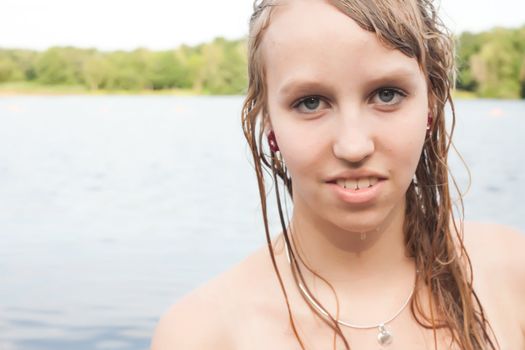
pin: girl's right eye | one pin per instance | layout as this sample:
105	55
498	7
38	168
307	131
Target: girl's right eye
311	103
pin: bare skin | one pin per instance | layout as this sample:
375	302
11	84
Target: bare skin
343	104
244	307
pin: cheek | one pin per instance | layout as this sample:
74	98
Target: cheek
411	133
404	151
298	153
301	151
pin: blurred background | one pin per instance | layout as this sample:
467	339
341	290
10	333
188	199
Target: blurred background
125	180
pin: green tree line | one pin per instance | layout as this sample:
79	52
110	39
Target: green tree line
218	67
490	64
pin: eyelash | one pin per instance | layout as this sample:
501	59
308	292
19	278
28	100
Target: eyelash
398	92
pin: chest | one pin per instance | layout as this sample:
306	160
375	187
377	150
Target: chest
274	331
260	327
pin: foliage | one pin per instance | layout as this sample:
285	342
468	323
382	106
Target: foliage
490	64
218	67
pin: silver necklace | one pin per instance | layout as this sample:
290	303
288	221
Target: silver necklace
384	337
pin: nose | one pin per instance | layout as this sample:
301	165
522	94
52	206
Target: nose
353	141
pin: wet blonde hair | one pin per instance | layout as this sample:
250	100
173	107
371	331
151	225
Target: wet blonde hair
414	28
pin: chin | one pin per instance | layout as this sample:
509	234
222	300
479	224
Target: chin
358	228
361	222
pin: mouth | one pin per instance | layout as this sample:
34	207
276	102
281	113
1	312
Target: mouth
357	184
359	191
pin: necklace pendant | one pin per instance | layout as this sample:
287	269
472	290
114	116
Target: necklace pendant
384	337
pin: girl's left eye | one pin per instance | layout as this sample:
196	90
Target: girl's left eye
388	96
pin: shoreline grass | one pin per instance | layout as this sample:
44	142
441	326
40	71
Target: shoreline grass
24	88
35	89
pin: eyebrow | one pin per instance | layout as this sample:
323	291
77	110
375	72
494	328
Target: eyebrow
307	84
299	84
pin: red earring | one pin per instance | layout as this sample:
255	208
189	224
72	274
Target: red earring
272	142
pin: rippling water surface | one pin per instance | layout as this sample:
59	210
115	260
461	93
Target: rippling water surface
113	207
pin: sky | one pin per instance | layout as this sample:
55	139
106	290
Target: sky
166	24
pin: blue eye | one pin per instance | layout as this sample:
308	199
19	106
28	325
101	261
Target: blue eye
311	103
389	96
386	95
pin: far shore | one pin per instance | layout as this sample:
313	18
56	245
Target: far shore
50	90
8	90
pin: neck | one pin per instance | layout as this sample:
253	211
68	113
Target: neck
346	260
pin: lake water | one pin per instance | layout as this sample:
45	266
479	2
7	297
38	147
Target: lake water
111	208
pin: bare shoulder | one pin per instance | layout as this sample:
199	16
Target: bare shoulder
498	252
194	322
496	244
204	318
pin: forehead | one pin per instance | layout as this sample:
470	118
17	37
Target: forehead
315	40
300	23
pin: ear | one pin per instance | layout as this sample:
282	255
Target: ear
431	103
267	124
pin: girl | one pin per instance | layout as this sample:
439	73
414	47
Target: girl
350	96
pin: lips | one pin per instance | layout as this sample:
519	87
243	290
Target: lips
356	184
359	187
355	194
356	179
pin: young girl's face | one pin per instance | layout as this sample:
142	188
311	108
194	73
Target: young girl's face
343	106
